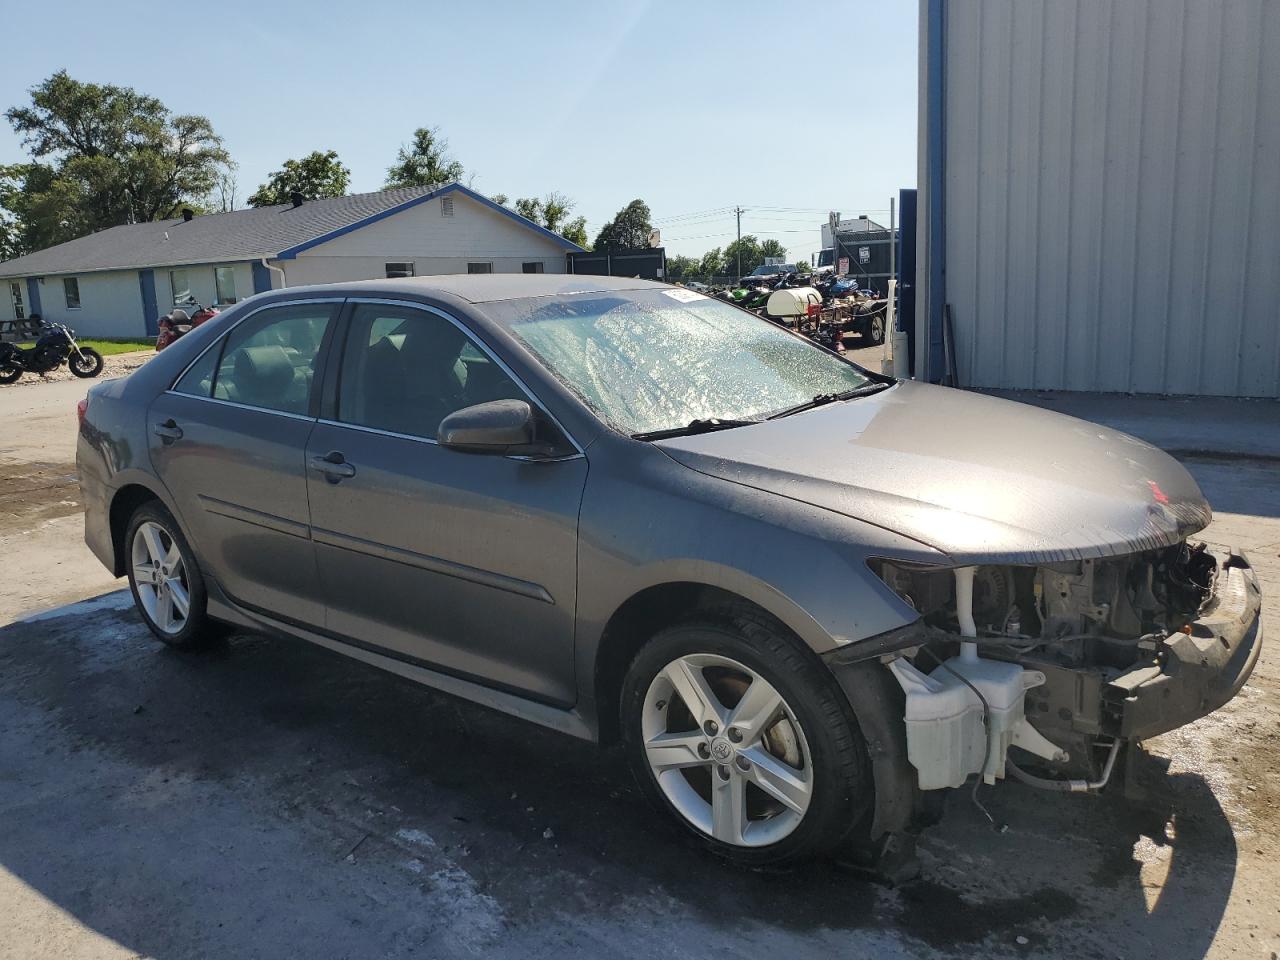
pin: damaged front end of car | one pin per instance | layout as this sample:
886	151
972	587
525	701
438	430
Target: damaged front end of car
1054	667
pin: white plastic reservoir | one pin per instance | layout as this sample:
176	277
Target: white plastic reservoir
946	739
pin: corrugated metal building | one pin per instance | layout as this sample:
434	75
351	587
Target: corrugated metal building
1100	194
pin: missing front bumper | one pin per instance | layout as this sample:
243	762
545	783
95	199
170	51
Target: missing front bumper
1187	676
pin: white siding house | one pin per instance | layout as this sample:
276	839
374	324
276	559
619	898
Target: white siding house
452	234
116	283
1099	203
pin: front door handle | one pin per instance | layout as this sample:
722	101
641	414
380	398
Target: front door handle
334	466
168	431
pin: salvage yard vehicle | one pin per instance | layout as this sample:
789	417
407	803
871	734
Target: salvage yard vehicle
807	599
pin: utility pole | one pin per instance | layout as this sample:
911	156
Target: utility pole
738	211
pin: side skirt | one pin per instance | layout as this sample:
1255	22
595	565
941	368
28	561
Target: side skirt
570	722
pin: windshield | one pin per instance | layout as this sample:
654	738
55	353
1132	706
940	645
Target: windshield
651	360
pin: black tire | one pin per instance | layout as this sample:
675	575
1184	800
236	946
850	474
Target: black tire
89	366
875	330
198	630
9	373
842	790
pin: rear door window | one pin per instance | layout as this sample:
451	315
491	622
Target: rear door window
268	361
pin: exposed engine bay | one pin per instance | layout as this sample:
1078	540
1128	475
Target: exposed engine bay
1064	662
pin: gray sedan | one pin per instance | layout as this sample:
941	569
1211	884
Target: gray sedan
807	599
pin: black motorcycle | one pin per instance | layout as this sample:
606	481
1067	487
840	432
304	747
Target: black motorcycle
55	346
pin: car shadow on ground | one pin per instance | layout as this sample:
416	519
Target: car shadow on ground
151	794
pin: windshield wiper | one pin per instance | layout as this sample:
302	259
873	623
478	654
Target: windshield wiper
693	427
823	399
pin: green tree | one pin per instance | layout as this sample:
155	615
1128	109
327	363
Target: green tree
628	230
530	208
802	267
681	267
752	256
772	248
104	155
575	231
315	176
552	212
711	264
425	162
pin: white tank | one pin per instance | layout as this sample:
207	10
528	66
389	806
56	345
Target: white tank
947	741
792	302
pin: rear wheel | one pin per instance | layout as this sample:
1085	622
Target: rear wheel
87	363
732	728
167	587
9	373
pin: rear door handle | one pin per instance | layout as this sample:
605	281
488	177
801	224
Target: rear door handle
169	430
334	466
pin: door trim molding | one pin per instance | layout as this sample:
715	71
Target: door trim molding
459	571
270	521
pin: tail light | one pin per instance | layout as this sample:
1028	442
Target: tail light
814	309
81	409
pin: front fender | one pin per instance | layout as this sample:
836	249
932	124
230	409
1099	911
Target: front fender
647	521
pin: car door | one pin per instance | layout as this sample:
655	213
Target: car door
463	562
229	440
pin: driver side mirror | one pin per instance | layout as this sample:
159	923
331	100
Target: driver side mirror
497	427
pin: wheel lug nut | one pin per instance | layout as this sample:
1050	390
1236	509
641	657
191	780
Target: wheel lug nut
724	772
744	763
710	728
704	751
735	734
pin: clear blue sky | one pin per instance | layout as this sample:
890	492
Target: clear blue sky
690	106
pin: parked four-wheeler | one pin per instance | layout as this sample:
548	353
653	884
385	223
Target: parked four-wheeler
55	346
182	320
808	599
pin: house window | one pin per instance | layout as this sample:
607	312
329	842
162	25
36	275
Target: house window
400	269
224	284
71	290
479	268
446	206
179	285
15	291
533	266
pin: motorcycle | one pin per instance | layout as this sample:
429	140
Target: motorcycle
55	346
178	321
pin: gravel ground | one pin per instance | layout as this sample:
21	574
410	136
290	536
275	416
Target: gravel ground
117	365
270	799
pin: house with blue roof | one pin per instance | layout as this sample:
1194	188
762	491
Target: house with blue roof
118	282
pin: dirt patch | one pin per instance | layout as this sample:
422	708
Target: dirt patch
119	365
32	493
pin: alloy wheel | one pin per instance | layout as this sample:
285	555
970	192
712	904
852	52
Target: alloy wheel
160	577
726	750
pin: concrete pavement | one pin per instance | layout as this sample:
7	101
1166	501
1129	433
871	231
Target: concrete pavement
270	799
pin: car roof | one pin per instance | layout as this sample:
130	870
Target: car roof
488	287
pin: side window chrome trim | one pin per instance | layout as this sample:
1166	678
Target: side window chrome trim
480	345
217	341
242	406
435	443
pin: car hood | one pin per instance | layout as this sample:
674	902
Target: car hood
978	478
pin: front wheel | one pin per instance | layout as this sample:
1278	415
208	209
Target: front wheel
735	730
86	363
9	373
